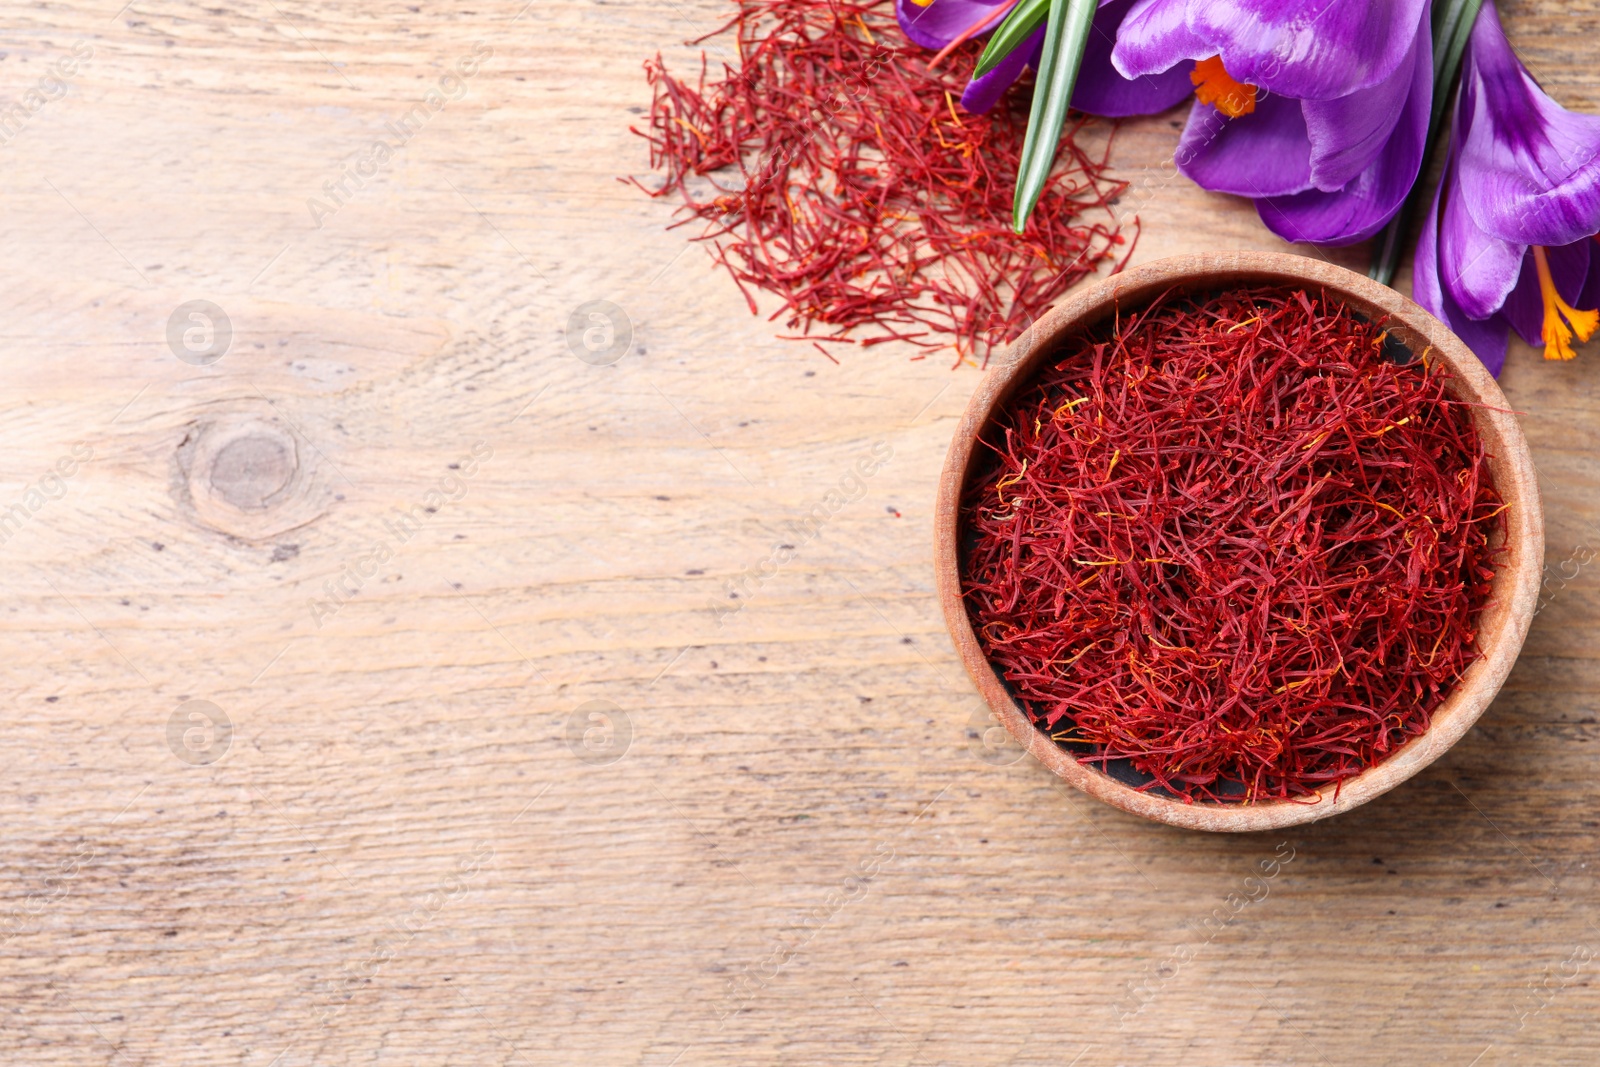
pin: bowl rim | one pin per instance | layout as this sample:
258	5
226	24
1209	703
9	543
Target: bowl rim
1503	624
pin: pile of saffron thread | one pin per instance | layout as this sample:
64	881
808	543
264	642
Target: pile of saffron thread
1225	540
840	174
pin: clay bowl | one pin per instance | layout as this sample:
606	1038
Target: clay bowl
1503	624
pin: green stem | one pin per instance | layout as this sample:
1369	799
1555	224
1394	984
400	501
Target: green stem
1066	34
1452	26
1018	26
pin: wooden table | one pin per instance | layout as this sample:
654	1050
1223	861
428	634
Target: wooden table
367	698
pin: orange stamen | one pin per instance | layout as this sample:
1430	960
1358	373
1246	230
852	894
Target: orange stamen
964	35
1561	320
1215	86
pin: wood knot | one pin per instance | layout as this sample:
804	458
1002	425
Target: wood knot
245	475
250	472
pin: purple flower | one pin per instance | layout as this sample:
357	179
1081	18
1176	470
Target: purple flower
1306	49
1335	120
1507	244
1100	89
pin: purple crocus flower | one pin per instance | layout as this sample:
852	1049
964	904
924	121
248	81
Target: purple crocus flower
1507	244
1335	123
1100	89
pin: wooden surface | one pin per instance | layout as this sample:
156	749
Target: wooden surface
790	838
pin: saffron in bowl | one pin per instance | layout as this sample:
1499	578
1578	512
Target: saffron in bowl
1231	546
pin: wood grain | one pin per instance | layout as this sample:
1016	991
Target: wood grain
417	845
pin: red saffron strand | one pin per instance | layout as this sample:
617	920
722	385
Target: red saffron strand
1223	548
832	168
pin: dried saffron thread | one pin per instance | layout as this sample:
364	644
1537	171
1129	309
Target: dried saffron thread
1225	548
832	169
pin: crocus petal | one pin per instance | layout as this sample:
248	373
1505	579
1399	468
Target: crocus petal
1264	153
1524	306
1477	269
1530	170
1589	297
981	93
1486	337
1348	133
1155	37
1102	90
937	24
1370	199
1308	49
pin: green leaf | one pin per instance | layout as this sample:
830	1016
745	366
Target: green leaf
1452	26
1066	33
1018	26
